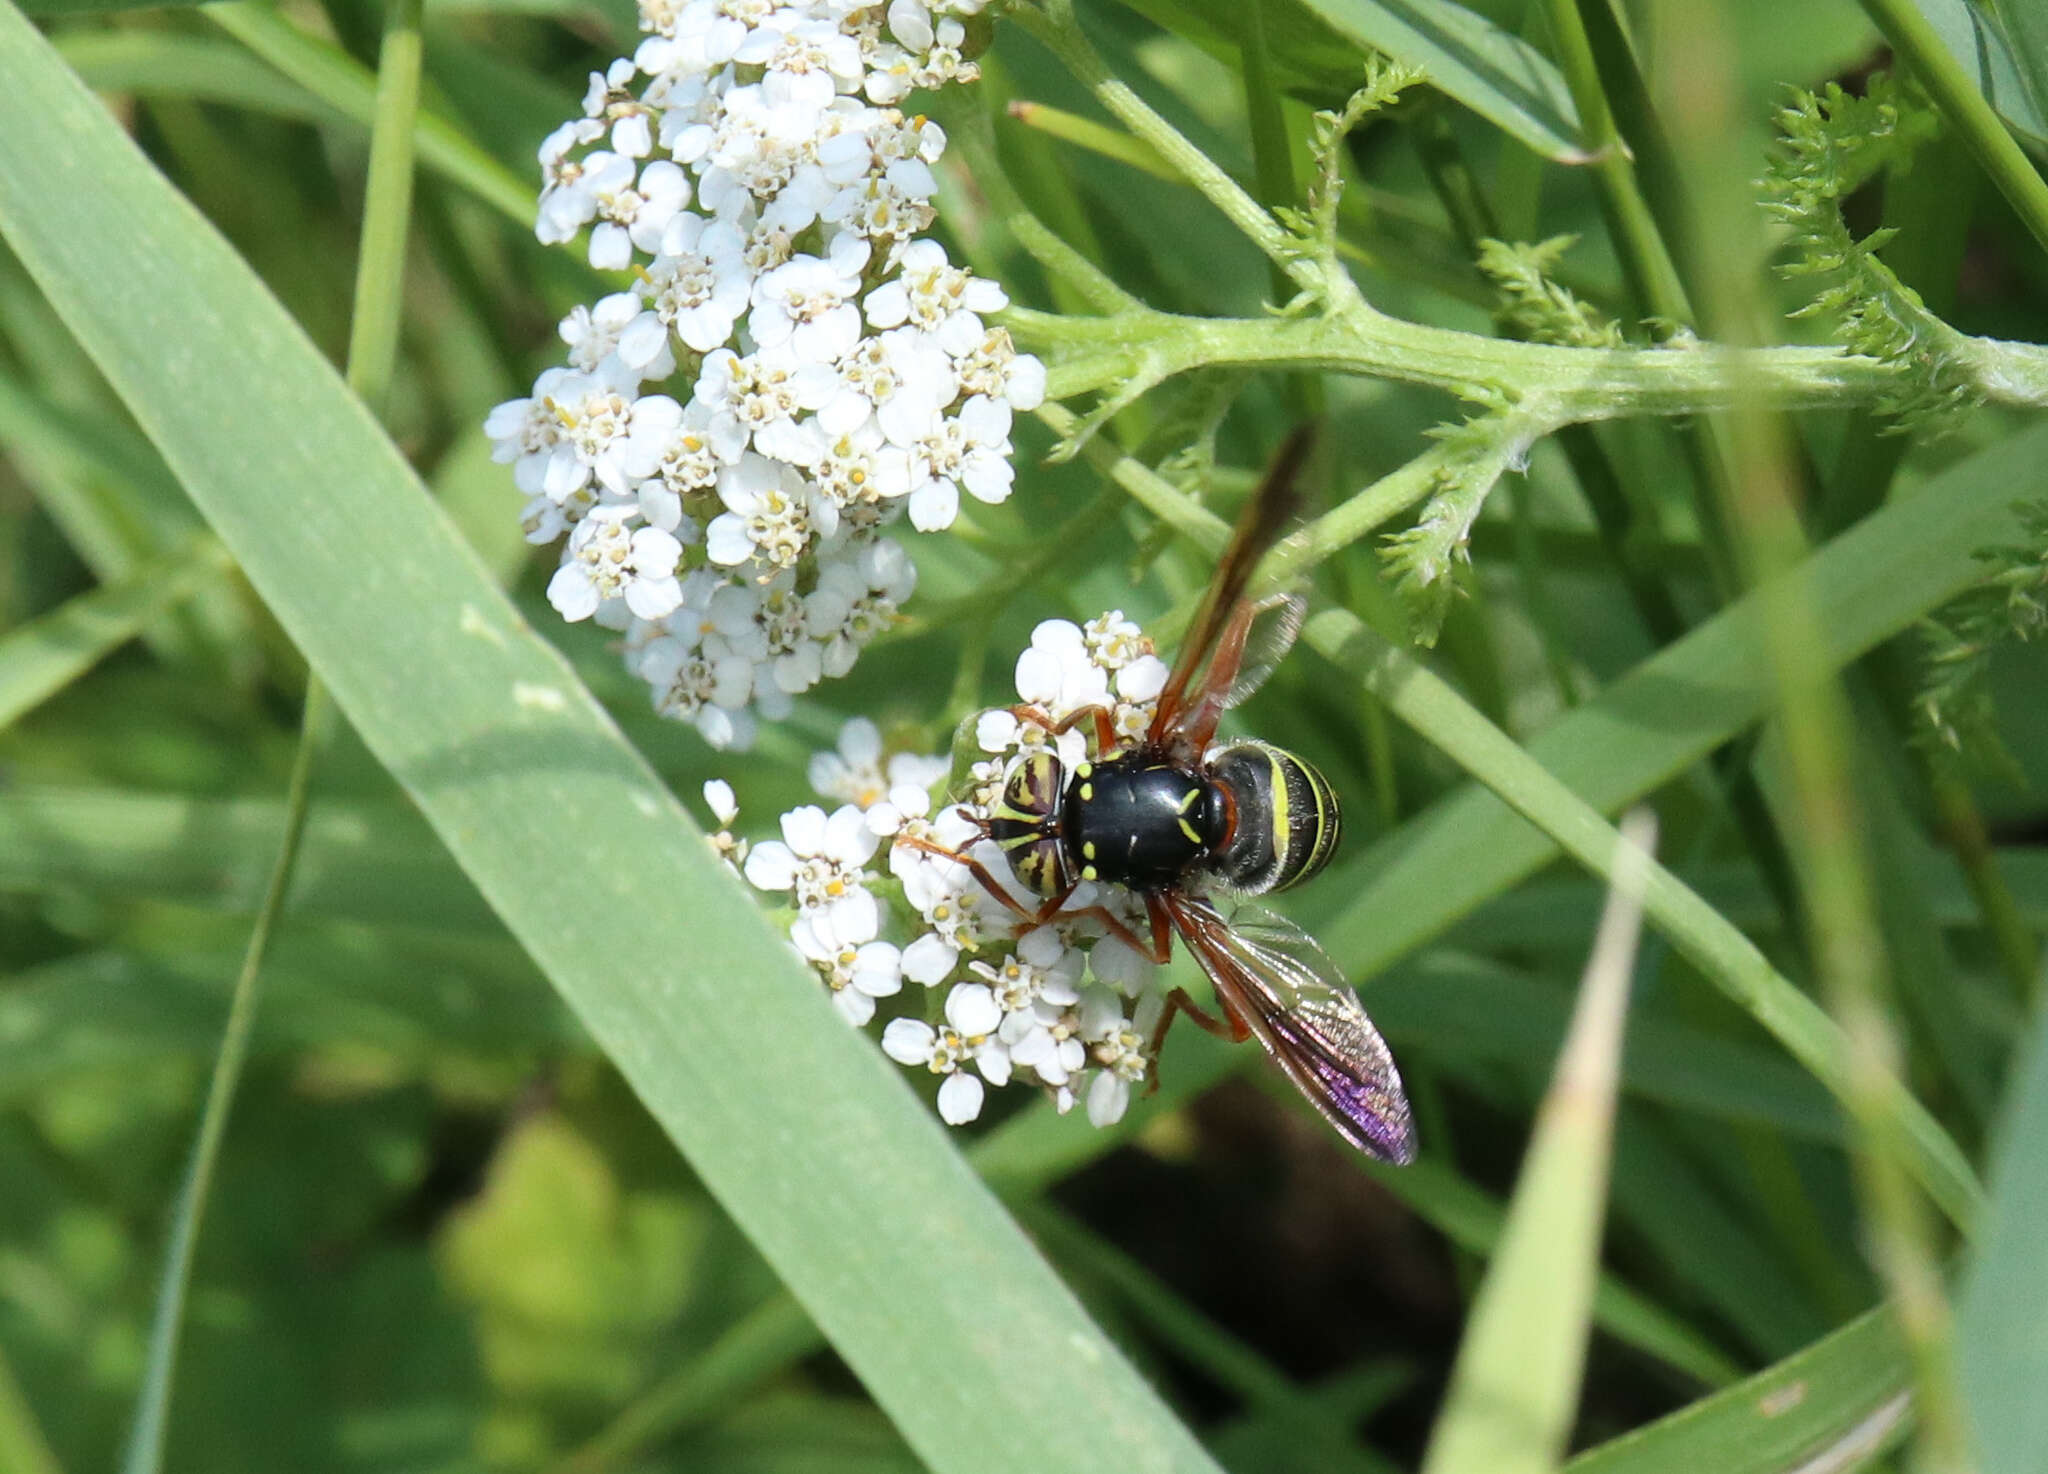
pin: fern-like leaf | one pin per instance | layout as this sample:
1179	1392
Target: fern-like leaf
1830	144
1426	559
1537	307
1315	225
1956	718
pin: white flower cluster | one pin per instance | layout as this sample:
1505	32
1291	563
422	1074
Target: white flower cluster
1068	1006
749	166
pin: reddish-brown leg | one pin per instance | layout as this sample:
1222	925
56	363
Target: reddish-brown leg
1105	723
1159	950
1230	1027
975	868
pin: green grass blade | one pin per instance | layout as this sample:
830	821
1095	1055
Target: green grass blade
761	1344
116	504
1987	52
2002	1336
1493	71
350	88
401	994
1723	954
1681	704
812	1140
1833	1406
195	67
1954	81
1516	1382
372	351
2026	34
373	862
46	655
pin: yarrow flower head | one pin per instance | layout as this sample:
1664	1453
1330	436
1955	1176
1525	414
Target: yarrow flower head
885	892
793	369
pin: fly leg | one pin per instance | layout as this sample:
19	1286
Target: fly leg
981	874
1105	723
1159	950
1230	1026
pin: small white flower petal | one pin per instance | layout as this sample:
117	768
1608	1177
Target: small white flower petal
771	866
929	960
909	1041
972	1009
1109	1095
959	1099
854	1006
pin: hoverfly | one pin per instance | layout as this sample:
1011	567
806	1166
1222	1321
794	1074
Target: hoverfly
1182	823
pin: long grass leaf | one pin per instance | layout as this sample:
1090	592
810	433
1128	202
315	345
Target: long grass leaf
2001	1333
1731	961
363	861
194	67
1988	52
346	85
814	1143
1516	1382
46	655
1682	703
1834	1406
1467	56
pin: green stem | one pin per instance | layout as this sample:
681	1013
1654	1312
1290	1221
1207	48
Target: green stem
1848	946
373	348
1824	821
760	1345
1450	176
1056	26
1654	165
1653	280
1573	384
1097	138
51	651
1915	41
1961	827
1265	108
152	1410
387	209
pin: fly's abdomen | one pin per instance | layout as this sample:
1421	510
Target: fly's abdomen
1288	822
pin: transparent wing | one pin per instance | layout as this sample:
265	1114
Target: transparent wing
1271	974
1276	622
